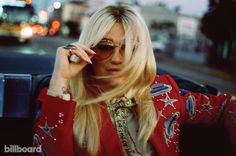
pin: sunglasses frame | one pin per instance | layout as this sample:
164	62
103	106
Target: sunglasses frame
107	43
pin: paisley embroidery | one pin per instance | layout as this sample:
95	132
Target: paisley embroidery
190	105
171	127
160	88
170	123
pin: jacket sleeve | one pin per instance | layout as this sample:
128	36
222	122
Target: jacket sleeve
209	109
53	129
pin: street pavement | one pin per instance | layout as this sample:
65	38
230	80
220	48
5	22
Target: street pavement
222	80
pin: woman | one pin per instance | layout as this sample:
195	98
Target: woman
104	97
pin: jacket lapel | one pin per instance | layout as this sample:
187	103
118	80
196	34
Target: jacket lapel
110	141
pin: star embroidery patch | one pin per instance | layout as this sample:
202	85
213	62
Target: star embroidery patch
168	101
207	107
47	129
160	113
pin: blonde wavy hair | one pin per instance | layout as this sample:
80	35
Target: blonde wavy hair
140	65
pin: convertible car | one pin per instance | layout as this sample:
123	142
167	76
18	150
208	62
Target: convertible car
20	86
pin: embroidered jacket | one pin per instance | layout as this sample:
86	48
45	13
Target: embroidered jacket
54	126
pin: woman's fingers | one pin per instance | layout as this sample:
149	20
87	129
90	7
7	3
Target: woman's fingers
83	52
87	49
80	55
77	53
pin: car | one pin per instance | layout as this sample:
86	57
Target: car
16	21
19	88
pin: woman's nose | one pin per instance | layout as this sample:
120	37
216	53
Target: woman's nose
118	56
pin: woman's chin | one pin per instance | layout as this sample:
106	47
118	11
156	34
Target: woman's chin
115	84
111	84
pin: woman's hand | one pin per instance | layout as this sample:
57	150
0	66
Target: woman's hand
64	70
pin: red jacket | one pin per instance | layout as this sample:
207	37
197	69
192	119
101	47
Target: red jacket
54	127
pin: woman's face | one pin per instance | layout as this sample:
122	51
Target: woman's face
109	57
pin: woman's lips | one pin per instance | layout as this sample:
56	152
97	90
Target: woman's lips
113	70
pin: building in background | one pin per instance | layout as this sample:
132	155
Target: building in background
73	15
187	32
162	24
172	31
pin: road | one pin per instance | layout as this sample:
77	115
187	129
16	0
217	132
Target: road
223	81
46	46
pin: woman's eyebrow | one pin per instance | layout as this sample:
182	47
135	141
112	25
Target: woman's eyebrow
107	39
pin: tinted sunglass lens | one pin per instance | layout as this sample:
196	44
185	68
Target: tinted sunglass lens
105	48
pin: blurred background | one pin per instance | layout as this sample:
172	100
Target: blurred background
194	39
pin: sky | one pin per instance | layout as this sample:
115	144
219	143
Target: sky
191	7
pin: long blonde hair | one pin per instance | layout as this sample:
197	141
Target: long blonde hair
139	63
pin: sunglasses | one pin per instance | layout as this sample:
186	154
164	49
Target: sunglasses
106	49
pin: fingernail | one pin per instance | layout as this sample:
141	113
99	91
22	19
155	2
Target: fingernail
93	52
89	61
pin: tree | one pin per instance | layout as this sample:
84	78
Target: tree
219	25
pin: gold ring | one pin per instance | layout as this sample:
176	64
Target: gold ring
70	51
